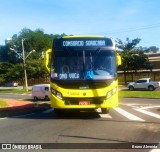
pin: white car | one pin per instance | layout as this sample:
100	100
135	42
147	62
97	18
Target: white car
145	83
41	91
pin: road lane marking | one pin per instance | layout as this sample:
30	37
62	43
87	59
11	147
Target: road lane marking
105	116
98	110
3	118
148	113
149	107
48	111
128	115
135	105
156	150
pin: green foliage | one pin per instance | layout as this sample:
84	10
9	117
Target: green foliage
36	69
129	45
4	70
11	65
132	58
10	72
35	40
152	49
135	60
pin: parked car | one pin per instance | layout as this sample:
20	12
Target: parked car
145	83
11	84
41	91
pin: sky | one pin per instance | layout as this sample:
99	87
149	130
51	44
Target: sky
119	19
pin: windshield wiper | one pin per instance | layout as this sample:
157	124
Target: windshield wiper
95	57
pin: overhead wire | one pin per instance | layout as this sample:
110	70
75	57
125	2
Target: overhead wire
135	29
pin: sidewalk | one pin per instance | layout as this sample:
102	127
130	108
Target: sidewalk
14	104
16	107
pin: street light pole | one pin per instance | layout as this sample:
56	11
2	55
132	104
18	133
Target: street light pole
24	67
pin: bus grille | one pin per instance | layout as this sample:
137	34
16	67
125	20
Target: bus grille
75	101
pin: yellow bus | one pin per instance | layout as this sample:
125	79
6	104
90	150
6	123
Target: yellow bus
83	73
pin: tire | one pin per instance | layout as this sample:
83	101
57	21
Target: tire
151	88
58	112
105	110
35	98
46	98
131	88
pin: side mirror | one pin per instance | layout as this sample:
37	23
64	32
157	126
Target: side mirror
118	58
47	59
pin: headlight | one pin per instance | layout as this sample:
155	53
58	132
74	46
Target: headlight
110	93
56	93
59	95
53	91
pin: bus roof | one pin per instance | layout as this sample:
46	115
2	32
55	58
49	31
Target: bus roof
84	36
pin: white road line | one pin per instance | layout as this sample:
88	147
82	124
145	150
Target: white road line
105	116
134	105
148	113
156	150
3	118
148	107
128	115
98	110
48	111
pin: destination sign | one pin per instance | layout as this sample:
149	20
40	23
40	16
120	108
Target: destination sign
69	76
84	43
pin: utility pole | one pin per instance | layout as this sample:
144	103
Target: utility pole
24	67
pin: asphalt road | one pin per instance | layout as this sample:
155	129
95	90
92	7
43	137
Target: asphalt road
134	121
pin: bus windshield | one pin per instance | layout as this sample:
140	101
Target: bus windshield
69	64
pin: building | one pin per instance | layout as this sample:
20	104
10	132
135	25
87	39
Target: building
8	40
154	59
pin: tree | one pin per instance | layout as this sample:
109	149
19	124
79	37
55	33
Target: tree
33	40
132	58
153	49
129	45
139	60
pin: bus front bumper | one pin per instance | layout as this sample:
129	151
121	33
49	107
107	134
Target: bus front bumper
84	103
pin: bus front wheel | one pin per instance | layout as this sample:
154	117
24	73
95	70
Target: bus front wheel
58	111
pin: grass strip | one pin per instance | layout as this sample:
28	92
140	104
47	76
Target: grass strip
19	91
3	104
139	94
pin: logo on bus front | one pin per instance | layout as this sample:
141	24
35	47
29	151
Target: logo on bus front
73	93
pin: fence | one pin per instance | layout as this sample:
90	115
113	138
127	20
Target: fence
132	76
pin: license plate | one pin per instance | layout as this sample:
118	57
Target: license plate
84	102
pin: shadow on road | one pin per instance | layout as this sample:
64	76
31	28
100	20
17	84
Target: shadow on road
65	115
